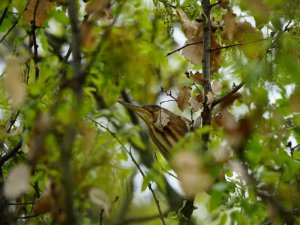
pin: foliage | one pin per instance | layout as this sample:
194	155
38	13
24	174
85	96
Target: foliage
71	155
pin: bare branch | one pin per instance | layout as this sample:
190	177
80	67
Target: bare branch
137	166
34	42
15	23
234	90
187	45
4	12
238	44
11	153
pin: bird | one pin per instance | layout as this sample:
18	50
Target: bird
165	127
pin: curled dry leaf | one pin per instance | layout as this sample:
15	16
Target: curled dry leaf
183	97
193	52
190	28
100	198
37	146
210	98
198	122
229	100
245	33
18	181
162	119
194	32
259	10
216	87
37	11
215	62
191	173
88	35
51	201
197	102
224	3
230	25
99	8
197	78
13	82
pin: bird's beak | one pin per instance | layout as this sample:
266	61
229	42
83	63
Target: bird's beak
142	112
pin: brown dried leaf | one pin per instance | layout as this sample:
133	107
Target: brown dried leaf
244	34
229	100
193	52
217	119
294	102
162	119
88	35
14	85
36	143
210	98
230	25
216	87
43	205
197	102
190	29
259	10
18	182
183	97
37	11
194	32
215	62
99	8
197	78
228	121
224	4
198	122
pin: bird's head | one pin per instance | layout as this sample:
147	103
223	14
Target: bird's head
145	112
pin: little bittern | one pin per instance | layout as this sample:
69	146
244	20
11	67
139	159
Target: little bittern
165	127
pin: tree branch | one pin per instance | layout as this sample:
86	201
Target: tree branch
34	42
206	113
15	23
221	99
76	47
4	12
140	170
187	45
11	153
238	44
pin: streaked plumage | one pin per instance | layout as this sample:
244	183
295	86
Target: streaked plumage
166	136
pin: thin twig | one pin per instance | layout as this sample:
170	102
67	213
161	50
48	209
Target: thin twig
27	217
101	217
15	23
140	219
11	153
187	45
238	44
217	3
78	74
149	186
21	203
163	169
34	42
4	12
137	166
287	26
12	121
234	90
103	39
168	94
